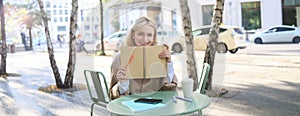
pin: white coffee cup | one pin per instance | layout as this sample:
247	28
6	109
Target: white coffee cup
187	87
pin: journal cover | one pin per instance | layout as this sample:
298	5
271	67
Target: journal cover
143	62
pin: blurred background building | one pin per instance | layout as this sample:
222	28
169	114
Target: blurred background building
119	15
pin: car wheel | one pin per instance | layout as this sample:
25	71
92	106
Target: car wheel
177	48
258	41
296	40
221	48
233	51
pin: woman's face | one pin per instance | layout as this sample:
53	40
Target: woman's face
144	36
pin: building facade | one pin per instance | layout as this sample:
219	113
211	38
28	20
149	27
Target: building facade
256	14
59	12
118	15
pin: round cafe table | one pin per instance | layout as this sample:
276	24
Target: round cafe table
178	107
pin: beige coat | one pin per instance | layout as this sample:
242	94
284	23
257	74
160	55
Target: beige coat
138	85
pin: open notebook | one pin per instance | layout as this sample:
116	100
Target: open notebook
137	107
143	62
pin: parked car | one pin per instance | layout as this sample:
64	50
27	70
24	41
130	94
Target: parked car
111	41
171	38
280	33
230	39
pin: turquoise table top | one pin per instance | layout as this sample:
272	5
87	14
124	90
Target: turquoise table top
178	107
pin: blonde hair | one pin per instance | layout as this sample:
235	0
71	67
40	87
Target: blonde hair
139	23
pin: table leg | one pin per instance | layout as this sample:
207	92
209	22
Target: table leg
112	114
199	112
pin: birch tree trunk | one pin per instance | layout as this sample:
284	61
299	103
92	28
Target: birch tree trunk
187	28
213	39
68	83
101	29
72	53
3	46
50	47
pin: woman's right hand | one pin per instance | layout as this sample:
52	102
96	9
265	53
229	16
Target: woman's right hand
121	74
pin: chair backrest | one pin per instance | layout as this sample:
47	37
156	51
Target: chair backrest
97	79
203	78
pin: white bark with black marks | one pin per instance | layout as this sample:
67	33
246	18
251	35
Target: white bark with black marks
213	39
72	52
50	47
187	28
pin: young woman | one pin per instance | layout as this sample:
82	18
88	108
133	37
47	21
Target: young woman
142	33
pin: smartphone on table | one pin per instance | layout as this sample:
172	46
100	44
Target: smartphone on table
148	100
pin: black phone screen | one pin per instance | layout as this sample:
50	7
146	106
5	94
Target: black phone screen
148	100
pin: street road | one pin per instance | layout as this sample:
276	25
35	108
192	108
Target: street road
85	61
288	49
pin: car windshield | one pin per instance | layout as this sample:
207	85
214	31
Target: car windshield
237	30
222	30
197	32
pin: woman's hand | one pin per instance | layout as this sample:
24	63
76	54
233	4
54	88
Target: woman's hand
165	54
121	74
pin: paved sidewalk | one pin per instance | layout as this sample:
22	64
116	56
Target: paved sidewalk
258	85
6	98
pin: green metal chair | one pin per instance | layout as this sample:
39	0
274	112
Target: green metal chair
96	81
203	78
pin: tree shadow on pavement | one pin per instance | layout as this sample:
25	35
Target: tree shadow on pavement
280	98
26	93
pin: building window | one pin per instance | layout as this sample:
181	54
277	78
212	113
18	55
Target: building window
251	18
207	11
47	4
60	5
290	9
66	19
54	12
96	27
86	27
291	2
61	28
55	20
60	19
60	12
66	12
87	19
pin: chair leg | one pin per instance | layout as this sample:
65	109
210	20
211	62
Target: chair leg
199	112
92	108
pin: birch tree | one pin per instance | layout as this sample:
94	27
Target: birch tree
101	29
213	39
3	37
187	28
68	82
